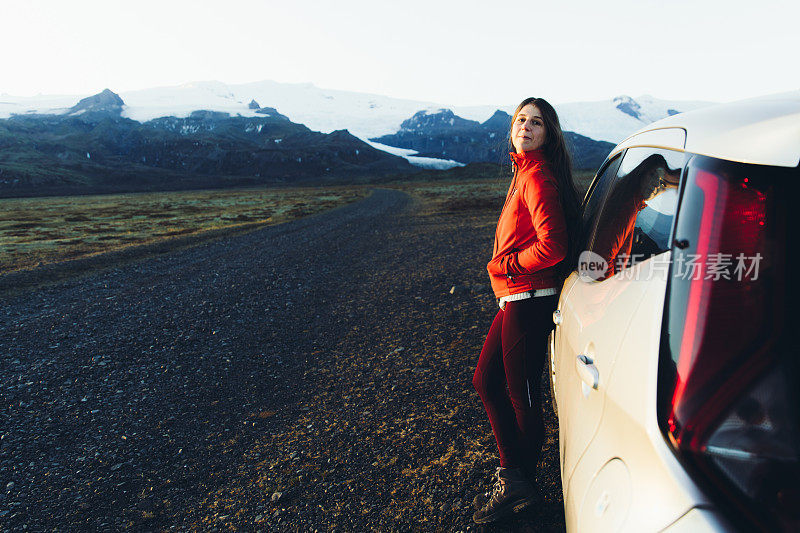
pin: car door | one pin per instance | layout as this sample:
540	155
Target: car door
631	235
597	306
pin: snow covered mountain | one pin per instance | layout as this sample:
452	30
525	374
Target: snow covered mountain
364	115
90	148
443	135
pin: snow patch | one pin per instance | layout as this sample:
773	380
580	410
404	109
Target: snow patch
432	163
394	150
410	155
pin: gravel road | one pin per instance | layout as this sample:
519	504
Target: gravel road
314	375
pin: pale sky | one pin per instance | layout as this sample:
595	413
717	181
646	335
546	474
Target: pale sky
455	52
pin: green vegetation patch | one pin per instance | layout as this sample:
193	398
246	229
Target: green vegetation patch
37	231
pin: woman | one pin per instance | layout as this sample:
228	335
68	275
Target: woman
540	212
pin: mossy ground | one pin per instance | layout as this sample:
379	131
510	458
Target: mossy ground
37	231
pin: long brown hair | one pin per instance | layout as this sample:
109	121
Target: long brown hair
560	162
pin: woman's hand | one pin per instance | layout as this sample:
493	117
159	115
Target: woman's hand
497	266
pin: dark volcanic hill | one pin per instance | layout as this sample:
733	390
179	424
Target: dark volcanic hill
92	148
104	102
445	135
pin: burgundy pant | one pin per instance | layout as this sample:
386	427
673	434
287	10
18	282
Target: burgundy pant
508	375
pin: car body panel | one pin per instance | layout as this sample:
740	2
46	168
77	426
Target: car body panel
699	520
629	433
583	332
669	138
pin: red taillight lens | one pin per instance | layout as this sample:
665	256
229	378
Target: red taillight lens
731	226
728	403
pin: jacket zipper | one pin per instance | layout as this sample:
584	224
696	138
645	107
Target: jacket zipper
508	198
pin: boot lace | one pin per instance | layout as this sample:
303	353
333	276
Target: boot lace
497	489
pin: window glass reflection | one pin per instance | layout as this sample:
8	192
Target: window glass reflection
595	200
637	217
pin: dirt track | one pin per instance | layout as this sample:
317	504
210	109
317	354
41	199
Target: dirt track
312	375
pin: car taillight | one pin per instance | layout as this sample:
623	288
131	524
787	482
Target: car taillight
728	398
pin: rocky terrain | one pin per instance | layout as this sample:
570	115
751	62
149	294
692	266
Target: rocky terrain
314	375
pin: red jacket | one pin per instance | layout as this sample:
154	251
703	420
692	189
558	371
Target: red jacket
531	234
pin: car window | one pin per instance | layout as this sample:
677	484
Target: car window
636	218
594	200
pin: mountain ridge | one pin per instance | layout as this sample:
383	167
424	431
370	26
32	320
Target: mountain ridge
363	114
205	129
93	148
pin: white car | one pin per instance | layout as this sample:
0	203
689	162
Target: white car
676	386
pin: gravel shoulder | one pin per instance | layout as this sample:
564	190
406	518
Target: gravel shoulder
314	375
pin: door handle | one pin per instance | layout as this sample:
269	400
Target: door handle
587	371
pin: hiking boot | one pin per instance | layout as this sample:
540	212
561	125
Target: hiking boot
511	494
480	499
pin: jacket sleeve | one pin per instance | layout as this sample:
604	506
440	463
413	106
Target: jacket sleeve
541	198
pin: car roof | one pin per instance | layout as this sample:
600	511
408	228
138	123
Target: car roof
763	131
